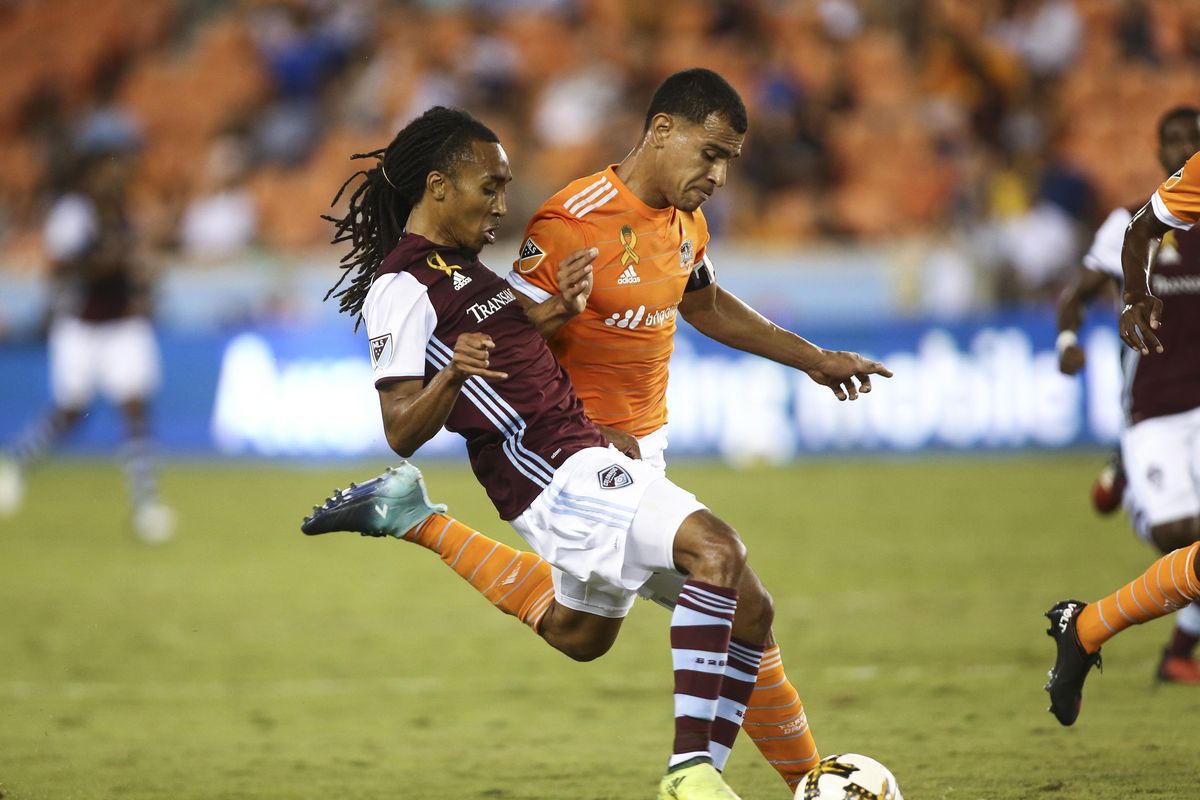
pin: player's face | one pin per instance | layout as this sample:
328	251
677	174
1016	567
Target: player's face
476	197
1180	139
695	160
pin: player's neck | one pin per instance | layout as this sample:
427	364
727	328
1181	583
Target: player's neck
424	224
637	171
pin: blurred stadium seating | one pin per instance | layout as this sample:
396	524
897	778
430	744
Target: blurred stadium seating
870	120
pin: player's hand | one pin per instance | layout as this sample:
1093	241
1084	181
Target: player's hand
1071	359
575	279
1141	317
627	443
471	358
839	369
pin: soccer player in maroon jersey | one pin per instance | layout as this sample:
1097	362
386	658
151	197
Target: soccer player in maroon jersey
101	340
1161	398
451	346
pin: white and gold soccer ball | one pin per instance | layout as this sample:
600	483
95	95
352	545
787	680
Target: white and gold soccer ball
849	776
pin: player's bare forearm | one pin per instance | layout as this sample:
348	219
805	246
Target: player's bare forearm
413	413
547	316
724	318
1142	238
1079	294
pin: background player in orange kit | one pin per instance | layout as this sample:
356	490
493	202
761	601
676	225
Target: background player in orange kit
643	216
1161	395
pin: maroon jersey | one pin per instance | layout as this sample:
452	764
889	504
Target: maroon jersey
75	236
1169	382
518	431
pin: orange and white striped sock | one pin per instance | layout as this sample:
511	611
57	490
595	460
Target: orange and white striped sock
516	582
1168	585
776	721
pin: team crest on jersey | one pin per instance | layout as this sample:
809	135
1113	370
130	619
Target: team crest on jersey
530	256
687	255
1170	182
614	477
381	350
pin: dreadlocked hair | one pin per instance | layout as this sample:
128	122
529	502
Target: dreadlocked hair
379	206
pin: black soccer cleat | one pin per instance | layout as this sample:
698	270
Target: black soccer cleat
1072	663
390	505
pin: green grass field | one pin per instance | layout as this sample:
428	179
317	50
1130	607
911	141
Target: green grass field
244	660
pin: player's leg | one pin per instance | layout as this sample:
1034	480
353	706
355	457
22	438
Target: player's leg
1080	629
73	381
129	364
774	716
518	583
1164	503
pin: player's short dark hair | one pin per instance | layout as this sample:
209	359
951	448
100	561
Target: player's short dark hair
436	141
696	93
1178	112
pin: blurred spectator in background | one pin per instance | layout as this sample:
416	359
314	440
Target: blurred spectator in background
222	221
101	341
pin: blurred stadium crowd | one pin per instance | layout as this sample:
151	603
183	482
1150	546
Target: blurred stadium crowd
1006	127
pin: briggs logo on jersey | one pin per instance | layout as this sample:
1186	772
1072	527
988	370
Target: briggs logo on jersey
381	350
614	477
687	255
481	311
634	318
530	256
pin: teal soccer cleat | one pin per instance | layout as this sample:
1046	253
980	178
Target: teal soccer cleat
390	505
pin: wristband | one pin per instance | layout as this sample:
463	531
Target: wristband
1067	338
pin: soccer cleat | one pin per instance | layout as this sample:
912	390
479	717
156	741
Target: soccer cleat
696	781
1108	489
153	523
12	487
1178	669
390	505
1071	664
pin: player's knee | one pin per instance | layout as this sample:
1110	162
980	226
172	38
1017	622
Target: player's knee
1176	534
762	609
708	549
584	650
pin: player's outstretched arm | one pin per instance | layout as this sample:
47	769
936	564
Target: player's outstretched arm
1143	311
575	282
413	414
1072	304
720	316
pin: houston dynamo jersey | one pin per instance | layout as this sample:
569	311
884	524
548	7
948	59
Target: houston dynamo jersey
1169	382
518	431
628	328
1177	201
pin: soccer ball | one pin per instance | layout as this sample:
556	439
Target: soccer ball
848	776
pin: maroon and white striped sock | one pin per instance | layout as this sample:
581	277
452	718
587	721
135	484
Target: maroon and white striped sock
700	630
741	673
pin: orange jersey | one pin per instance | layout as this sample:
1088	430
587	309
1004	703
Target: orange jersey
1177	201
616	351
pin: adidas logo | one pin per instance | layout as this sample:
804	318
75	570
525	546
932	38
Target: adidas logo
460	281
629	276
512	577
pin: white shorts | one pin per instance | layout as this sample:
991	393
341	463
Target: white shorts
1162	464
117	358
606	523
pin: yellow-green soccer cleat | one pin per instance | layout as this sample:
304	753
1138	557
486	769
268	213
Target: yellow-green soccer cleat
390	505
698	781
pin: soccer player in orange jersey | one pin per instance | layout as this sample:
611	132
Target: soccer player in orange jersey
643	216
1173	581
1160	446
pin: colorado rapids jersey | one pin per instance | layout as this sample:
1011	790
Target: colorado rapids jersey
518	431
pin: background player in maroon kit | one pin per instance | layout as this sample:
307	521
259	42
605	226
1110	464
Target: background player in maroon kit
101	340
1162	390
451	346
